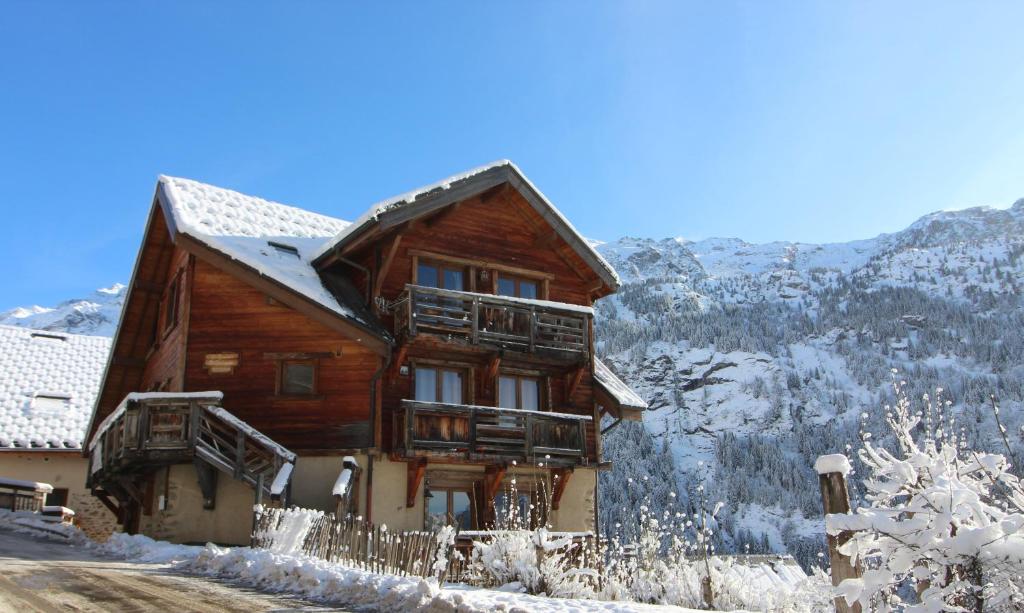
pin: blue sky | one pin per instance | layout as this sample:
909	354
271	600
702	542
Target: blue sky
820	121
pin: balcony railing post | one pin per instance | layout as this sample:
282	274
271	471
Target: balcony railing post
412	312
533	328
193	423
239	454
528	434
471	448
142	438
410	418
581	433
476	320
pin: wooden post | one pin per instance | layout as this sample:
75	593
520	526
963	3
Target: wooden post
835	499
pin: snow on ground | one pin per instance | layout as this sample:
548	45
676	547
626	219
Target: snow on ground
316	579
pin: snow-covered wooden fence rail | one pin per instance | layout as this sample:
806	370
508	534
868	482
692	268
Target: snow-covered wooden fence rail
18	495
354	541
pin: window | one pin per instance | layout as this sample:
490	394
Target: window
517	286
430	274
298	378
449	507
517	392
439	384
170	307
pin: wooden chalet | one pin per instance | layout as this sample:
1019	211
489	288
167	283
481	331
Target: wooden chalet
404	367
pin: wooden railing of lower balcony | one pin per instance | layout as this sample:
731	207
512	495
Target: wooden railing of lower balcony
484	319
152	430
478	433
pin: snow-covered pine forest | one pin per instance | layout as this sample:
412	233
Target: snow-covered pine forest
758	358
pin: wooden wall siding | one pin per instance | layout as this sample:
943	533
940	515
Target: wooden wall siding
134	339
165	367
503	229
230	316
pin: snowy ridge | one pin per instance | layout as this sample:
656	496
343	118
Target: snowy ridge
48	383
96	315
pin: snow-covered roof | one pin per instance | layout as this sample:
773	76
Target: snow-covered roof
48	383
616	387
448	188
276	240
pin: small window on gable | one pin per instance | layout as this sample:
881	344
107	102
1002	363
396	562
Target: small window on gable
170	306
284	249
50	404
297	378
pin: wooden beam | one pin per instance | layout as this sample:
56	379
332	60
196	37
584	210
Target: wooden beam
378	280
107	502
492	372
572	382
414	475
396	365
560	478
493	476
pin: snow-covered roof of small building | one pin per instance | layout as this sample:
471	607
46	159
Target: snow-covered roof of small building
48	383
276	240
454	188
616	387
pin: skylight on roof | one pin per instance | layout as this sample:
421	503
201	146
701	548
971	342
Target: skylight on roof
49	404
50	335
283	248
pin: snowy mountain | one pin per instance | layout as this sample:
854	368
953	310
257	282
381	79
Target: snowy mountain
756	358
96	315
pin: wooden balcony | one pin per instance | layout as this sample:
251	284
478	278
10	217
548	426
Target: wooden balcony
148	431
531	326
489	434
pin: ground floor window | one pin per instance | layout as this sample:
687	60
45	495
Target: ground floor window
449	507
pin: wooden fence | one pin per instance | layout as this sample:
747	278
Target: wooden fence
360	543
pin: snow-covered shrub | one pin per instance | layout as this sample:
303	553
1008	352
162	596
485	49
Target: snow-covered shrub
944	529
522	552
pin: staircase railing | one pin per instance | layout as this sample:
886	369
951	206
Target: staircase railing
154	429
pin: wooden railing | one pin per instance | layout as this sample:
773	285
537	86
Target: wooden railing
151	430
483	319
489	433
17	495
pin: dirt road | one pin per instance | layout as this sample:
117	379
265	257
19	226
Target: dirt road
45	576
